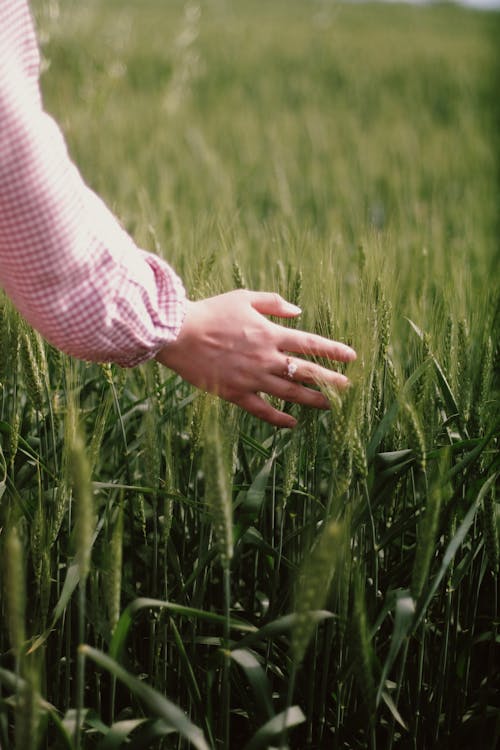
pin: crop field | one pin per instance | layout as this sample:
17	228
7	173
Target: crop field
175	573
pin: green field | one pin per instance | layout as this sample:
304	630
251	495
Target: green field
237	586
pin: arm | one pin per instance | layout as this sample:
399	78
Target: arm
64	259
79	279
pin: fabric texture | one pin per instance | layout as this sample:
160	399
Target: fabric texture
65	261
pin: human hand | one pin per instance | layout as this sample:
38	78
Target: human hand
228	347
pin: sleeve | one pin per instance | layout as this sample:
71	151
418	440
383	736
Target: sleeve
65	261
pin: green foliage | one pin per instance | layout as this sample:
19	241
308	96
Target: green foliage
341	154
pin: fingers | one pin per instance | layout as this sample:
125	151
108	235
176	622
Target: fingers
256	405
270	303
310	373
300	342
293	390
291	340
296	393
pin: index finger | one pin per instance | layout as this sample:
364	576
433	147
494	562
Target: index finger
302	342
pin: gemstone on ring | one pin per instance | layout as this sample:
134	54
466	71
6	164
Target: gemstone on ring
291	368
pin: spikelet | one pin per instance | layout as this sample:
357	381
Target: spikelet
151	447
426	541
375	399
383	320
14	434
168	502
14	589
358	452
337	423
37	536
393	390
83	503
157	386
393	378
238	278
198	413
479	409
113	574
462	377
115	376
415	435
140	512
295	295
45	586
343	471
218	484
33	366
324	323
448	346
291	461
363	650
313	584
27	711
60	505
230	416
55	367
200	286
98	432
490	530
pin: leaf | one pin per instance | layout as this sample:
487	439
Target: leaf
253	499
288	719
118	733
147	734
126	619
446	392
281	625
254	537
405	611
391	413
3	473
453	547
393	709
14	683
393	458
193	686
156	703
257	679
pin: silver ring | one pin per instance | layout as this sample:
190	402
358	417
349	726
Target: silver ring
291	368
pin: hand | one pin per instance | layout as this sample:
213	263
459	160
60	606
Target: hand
228	347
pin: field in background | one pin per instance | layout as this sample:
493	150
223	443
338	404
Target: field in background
236	585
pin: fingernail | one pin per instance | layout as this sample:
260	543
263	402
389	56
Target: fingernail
293	308
352	354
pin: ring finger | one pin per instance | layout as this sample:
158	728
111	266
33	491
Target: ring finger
302	371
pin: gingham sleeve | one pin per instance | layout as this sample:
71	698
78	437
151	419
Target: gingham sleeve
65	261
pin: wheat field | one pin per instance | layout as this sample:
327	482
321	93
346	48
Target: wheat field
176	574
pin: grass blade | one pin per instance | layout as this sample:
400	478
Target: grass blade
156	703
288	719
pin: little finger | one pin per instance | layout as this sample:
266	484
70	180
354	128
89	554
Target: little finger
256	405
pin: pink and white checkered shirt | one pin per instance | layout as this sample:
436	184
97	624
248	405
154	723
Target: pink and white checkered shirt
65	261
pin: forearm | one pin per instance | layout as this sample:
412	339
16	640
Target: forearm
69	267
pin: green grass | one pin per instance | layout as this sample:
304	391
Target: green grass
346	155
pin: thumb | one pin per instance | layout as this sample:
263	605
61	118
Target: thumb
270	303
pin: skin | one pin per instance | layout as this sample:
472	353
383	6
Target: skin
229	347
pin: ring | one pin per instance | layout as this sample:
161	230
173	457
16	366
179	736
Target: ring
291	368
